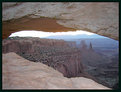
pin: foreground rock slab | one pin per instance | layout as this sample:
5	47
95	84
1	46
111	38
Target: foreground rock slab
18	73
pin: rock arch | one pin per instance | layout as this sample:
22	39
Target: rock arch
97	17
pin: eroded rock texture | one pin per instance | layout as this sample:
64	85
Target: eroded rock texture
55	53
98	17
19	73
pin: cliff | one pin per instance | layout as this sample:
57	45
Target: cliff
19	73
105	69
54	53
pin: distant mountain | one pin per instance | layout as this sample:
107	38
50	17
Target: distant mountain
90	57
67	37
101	42
98	65
96	40
105	46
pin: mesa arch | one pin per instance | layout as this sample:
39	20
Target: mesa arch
97	17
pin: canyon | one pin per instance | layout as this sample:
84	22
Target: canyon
55	53
34	63
66	57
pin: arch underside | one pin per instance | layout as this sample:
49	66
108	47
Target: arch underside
99	18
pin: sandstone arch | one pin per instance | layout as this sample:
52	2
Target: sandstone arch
97	17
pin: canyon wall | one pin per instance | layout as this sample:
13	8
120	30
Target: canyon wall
65	57
54	53
19	73
97	17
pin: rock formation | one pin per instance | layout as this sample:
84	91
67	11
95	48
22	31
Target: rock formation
55	53
97	17
90	46
19	73
66	58
103	68
83	45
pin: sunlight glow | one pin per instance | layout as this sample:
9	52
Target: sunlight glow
42	34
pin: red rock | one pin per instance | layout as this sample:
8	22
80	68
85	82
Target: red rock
19	73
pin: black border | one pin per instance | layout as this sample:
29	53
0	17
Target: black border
60	1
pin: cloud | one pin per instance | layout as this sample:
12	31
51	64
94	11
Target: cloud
41	34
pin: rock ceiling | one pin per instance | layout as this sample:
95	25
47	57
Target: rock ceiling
97	17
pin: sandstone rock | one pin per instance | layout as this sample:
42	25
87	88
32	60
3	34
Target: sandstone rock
28	44
55	53
18	73
97	17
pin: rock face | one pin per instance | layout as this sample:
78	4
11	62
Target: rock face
90	57
98	17
105	69
55	53
19	73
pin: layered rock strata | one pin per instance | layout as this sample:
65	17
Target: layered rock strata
19	73
55	53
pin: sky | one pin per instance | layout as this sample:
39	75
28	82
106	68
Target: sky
56	35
